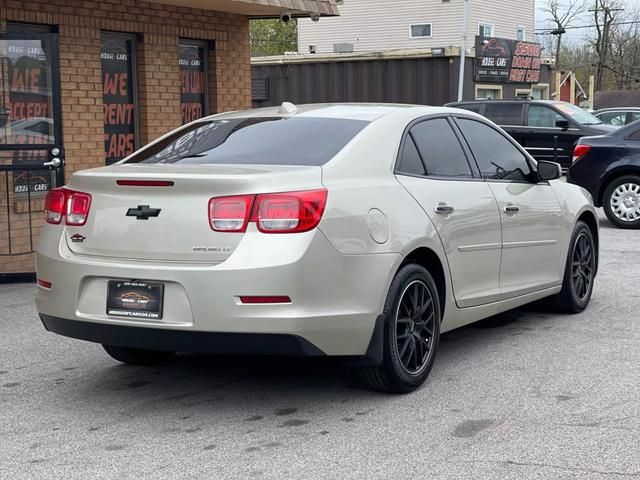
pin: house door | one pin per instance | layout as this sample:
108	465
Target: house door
31	152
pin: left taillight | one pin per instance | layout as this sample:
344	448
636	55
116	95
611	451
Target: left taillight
64	203
580	151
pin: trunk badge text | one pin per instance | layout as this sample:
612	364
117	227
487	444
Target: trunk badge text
143	212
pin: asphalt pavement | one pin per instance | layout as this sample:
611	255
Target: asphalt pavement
528	394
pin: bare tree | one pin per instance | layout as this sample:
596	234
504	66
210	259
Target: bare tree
604	15
562	15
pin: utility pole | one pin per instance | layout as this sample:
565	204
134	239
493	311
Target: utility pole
463	48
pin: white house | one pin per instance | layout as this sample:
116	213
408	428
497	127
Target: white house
382	25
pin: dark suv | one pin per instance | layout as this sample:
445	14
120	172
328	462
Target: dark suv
548	130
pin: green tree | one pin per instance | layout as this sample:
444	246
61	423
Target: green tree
273	37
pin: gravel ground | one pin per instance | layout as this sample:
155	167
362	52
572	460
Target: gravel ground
528	394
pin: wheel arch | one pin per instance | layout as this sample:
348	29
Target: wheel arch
591	220
613	175
430	260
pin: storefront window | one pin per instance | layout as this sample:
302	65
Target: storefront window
193	80
118	94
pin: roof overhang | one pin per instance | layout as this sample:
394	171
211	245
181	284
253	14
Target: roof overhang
261	8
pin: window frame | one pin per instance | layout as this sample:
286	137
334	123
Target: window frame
206	51
134	81
473	167
486	24
522	28
533	166
495	88
413	37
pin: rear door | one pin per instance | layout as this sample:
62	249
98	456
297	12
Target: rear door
544	141
435	170
530	212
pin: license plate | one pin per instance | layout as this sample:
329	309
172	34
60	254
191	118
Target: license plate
135	299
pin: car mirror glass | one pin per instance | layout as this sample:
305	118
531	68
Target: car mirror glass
563	124
549	170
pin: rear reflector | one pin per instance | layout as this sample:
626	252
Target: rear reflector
44	283
61	202
580	151
144	183
272	299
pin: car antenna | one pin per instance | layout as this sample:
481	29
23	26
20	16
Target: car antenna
288	108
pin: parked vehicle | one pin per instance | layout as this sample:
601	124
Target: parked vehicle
619	116
608	167
548	130
361	231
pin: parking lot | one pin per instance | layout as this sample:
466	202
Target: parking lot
529	394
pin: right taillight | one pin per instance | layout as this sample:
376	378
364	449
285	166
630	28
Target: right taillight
61	202
580	151
288	212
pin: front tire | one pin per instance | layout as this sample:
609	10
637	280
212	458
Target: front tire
580	271
621	201
137	356
411	333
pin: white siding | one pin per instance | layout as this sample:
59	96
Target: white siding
376	25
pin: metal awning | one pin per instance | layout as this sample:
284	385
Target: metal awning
261	8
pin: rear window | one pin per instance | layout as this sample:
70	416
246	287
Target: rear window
504	113
264	141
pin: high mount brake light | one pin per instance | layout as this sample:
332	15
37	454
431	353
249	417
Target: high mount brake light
61	202
580	151
288	212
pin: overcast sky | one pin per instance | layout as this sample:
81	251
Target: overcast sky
578	35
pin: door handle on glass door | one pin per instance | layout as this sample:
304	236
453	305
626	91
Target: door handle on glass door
444	209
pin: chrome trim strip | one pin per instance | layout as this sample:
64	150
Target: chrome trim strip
478	248
546	149
533	243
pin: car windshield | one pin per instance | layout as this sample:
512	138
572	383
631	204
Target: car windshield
578	114
258	140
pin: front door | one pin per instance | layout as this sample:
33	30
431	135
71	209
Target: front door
435	169
530	212
544	140
31	153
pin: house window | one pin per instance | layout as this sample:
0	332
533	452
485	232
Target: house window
192	60
522	33
118	95
540	91
421	30
489	92
485	29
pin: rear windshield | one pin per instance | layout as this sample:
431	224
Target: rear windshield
264	141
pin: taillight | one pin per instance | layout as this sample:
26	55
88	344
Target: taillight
290	212
61	202
230	214
580	151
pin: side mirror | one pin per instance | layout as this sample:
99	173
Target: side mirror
549	170
563	124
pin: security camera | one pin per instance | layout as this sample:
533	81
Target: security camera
286	17
314	17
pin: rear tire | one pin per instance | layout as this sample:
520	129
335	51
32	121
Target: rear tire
621	201
137	356
580	271
411	333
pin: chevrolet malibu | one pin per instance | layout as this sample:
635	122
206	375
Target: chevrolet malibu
359	231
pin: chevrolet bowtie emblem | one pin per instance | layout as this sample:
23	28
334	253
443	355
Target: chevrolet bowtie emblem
143	212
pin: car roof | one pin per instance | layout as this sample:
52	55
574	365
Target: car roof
512	100
618	109
348	111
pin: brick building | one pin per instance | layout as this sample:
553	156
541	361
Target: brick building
83	83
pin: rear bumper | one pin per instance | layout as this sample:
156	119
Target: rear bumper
181	340
335	298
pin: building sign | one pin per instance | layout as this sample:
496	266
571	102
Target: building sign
499	60
192	82
26	111
118	87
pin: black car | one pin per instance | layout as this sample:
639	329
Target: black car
609	167
548	130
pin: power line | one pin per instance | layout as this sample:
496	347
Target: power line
547	31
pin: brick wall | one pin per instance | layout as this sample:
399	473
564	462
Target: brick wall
158	27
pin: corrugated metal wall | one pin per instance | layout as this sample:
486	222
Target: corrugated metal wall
431	81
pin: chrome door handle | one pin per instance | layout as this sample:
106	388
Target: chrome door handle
511	209
56	162
444	209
